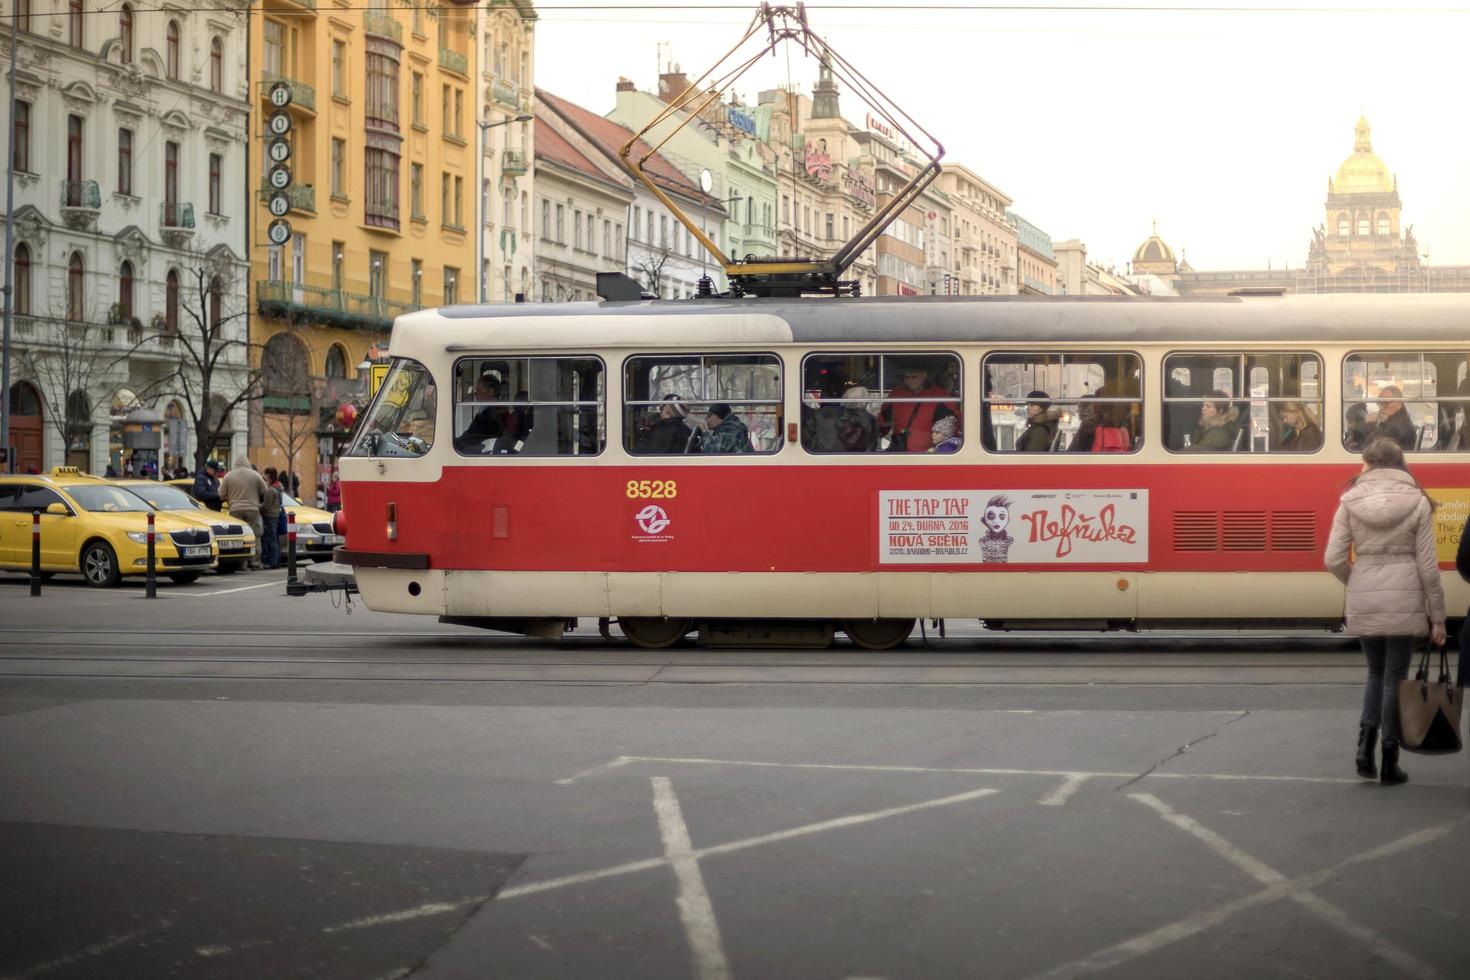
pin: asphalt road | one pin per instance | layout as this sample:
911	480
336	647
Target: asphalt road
227	782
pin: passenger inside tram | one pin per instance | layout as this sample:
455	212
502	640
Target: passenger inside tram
489	419
1040	434
1076	402
839	413
1391	420
1218	427
670	433
911	410
1300	431
727	434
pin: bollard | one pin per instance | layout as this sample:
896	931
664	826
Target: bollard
35	552
152	590
290	547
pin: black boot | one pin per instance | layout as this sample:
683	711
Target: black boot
1367	742
1392	774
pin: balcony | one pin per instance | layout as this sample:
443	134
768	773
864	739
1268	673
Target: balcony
757	239
81	202
301	196
383	26
301	303
303	96
176	223
513	162
454	61
505	93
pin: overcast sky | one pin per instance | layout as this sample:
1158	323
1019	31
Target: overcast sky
1223	126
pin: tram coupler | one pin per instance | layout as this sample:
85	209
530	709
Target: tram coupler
297	587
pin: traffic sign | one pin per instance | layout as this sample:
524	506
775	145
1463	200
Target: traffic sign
280	94
278	232
376	374
279	204
280	178
279	123
279	151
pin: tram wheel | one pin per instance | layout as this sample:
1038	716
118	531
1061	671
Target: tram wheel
878	634
652	633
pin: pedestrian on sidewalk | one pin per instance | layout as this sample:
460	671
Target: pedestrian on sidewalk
270	517
1382	549
244	490
1462	565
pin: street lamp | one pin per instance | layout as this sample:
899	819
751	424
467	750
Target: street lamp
484	203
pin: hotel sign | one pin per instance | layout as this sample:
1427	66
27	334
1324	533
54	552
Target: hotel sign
859	186
741	121
817	161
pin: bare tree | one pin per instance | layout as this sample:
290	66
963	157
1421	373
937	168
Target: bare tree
211	375
69	358
298	396
650	268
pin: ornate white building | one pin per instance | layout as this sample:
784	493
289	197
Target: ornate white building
507	93
129	142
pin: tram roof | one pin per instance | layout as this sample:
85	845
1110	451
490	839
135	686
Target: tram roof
1333	318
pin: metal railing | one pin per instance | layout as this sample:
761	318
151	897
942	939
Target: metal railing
506	93
81	194
302	301
513	162
176	215
454	61
383	25
302	94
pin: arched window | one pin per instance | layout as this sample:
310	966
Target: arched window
284	366
74	287
1363	223
1383	228
171	303
1344	227
125	20
216	65
125	291
216	305
172	59
336	365
22	279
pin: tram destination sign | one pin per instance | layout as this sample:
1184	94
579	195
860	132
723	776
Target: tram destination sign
1012	527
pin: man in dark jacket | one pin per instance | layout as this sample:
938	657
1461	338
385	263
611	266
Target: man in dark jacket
1041	424
206	485
1462	565
1392	421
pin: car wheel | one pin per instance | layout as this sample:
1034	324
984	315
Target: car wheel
184	578
229	568
99	565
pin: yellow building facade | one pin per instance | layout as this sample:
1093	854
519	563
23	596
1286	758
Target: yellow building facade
380	138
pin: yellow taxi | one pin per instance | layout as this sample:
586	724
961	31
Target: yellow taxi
237	544
315	536
100	530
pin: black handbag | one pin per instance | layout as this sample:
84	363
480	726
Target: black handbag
1464	679
1429	711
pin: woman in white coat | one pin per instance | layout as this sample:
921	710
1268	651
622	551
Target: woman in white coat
1382	549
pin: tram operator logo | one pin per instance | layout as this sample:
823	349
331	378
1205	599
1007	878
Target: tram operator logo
652	519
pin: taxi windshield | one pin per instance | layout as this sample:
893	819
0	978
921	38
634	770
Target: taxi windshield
107	500
162	496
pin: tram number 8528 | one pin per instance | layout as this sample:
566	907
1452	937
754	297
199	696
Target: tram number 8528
652	489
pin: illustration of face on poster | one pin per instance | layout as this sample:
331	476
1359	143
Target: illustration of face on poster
997	514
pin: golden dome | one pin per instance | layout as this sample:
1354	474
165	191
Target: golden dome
1154	249
1363	172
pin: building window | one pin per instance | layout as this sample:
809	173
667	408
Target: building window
22	279
525	224
216	65
74	160
417	285
170	176
1343	228
443	197
339	167
1383	224
125	26
451	285
459	112
618	240
74	34
377	273
1363	225
216	306
444	112
416	100
577	230
545	220
171	303
561	214
22	154
382	90
607	238
74	287
339	69
216	203
274	40
382	187
416	189
459	202
23	14
171	50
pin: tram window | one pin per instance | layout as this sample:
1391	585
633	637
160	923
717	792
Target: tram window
1256	402
529	406
906	402
1088	401
1420	399
702	404
400	421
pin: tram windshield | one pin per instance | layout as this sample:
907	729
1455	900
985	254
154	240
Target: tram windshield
400	421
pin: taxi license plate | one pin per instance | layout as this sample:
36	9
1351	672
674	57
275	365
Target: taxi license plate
196	551
333	539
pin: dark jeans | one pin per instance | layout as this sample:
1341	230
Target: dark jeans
1388	663
270	543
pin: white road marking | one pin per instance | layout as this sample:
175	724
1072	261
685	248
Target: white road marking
631	867
1278	887
404	915
96	949
621	760
205	595
539	941
1063	793
696	911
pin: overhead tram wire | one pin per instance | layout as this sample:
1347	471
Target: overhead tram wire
895	8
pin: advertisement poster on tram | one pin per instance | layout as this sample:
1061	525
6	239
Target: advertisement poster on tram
1012	527
1451	509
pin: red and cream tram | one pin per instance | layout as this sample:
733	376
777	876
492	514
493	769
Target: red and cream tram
769	467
